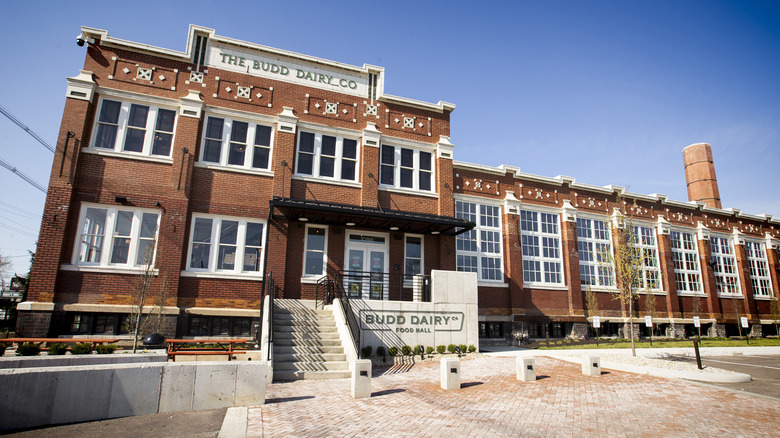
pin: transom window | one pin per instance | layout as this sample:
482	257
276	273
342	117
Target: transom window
236	143
116	237
541	247
327	156
726	275
135	128
479	249
686	262
759	268
644	240
226	245
406	168
594	246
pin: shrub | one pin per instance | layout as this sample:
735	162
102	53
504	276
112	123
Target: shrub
393	351
2	349
105	349
57	349
366	351
81	348
472	348
28	349
463	348
418	350
380	351
451	348
429	350
407	350
441	349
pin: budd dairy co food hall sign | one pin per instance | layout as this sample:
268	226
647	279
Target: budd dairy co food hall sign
411	321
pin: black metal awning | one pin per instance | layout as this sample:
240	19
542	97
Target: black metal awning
330	213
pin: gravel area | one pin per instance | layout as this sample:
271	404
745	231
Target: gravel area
664	362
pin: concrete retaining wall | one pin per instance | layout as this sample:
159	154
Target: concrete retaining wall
41	396
81	360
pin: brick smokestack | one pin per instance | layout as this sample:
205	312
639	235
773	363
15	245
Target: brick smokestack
700	175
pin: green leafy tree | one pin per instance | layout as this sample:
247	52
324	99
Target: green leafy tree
774	312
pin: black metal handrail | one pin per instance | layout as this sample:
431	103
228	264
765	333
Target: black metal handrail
270	292
323	293
346	307
384	286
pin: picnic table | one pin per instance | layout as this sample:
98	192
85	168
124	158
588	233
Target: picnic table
38	341
176	347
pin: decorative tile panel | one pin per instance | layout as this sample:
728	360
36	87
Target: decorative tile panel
408	123
146	75
318	106
243	92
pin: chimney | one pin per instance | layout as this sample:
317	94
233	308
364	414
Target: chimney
700	175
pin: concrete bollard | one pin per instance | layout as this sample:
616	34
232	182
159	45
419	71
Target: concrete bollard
526	369
361	378
450	373
591	365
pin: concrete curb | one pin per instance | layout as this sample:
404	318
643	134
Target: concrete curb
668	374
235	423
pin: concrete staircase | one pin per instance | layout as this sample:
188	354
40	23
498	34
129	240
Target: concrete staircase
306	343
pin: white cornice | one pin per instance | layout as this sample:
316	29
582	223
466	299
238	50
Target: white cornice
478	167
440	106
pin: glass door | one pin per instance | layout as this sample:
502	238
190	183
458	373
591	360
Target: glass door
366	266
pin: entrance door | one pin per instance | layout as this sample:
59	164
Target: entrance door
366	265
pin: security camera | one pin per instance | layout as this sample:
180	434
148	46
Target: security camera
81	39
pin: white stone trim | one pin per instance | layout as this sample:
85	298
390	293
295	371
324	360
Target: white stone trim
116	308
286	121
35	306
372	137
82	86
191	105
127	156
214	311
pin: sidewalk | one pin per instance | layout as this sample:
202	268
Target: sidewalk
491	402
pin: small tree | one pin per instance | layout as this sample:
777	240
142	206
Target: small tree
774	312
592	306
136	324
697	311
627	261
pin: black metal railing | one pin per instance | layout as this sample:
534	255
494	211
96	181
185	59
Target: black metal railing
270	293
324	291
349	314
384	286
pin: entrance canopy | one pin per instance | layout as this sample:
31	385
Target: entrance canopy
329	213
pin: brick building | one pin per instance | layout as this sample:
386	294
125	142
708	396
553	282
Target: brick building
232	169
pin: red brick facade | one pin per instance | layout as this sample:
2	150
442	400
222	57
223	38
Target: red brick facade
181	186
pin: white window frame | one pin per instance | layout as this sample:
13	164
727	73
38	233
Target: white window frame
122	127
324	270
216	227
599	268
759	268
317	154
730	259
683	258
639	243
226	141
416	170
536	239
408	279
482	255
107	244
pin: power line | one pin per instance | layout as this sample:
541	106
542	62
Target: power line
26	128
22	176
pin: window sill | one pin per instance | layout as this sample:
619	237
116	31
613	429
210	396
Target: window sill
731	296
127	155
491	284
212	166
762	297
311	280
610	290
106	269
336	182
545	286
252	277
408	191
652	292
692	294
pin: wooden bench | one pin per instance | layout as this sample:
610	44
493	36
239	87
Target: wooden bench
225	347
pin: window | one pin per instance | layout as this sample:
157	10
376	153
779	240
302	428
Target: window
226	245
134	128
726	276
594	246
236	143
759	269
327	156
541	247
479	250
406	168
644	240
223	326
113	236
413	261
686	262
315	260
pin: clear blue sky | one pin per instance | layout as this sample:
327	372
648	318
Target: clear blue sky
608	92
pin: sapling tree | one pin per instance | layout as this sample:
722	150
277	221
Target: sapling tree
774	313
137	324
592	306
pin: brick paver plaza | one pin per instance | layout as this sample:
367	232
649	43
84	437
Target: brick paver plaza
561	402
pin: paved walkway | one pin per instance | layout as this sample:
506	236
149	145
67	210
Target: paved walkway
562	402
